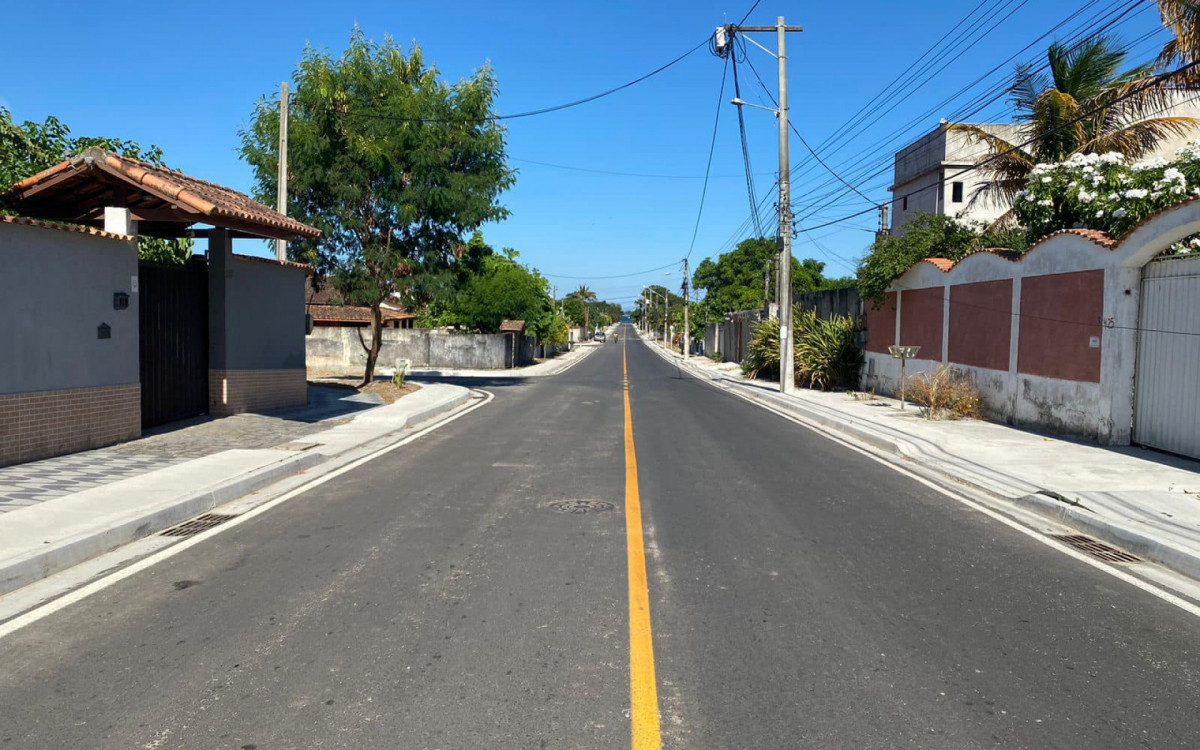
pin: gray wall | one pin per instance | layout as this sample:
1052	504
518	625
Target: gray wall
60	289
336	348
830	302
264	306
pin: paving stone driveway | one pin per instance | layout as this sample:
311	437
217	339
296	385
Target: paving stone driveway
32	483
36	482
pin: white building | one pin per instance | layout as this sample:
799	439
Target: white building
933	174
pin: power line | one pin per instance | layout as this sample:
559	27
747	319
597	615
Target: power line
737	92
628	174
1153	80
542	110
797	132
617	276
712	147
1080	39
1098	25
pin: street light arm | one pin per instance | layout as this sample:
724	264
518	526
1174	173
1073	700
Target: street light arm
741	103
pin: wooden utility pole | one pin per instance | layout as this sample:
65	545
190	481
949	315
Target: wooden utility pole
281	190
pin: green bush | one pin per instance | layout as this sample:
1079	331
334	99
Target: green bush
825	352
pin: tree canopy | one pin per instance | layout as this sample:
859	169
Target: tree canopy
926	235
1088	102
30	147
503	289
735	281
392	163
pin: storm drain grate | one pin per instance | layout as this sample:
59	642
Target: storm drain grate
581	506
197	524
1097	548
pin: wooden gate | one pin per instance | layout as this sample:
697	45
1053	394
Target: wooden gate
173	309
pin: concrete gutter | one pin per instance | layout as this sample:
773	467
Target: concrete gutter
41	540
1174	551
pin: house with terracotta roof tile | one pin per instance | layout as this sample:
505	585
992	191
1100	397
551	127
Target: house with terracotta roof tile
326	308
105	344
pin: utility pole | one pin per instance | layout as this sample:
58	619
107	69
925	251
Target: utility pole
767	289
787	380
281	190
687	333
666	318
883	221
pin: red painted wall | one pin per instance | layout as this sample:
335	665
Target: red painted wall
881	324
981	324
921	321
1059	313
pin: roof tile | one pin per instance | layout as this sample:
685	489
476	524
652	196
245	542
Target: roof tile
65	227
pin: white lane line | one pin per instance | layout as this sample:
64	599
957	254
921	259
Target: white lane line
84	592
1117	573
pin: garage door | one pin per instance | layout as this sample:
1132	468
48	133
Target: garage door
1167	406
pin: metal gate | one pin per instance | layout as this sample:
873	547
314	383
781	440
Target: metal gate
1167	402
173	309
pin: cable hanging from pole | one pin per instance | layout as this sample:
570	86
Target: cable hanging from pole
737	92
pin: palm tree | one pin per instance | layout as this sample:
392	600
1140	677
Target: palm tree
1182	19
1084	103
584	295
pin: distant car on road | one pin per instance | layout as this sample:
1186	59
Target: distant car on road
600	335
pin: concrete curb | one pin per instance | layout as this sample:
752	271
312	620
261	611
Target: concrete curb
68	552
951	472
1139	543
433	410
58	555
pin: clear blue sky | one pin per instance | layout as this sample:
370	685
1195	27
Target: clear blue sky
186	78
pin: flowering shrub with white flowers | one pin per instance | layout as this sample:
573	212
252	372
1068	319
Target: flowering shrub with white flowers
1107	192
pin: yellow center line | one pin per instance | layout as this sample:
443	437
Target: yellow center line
643	688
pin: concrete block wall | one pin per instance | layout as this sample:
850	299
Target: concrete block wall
1072	317
66	385
50	423
239	391
340	348
257	345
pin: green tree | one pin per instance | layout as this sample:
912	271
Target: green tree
925	235
572	310
392	163
1088	102
505	290
30	147
735	281
584	295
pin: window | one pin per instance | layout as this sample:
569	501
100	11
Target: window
956	192
905	203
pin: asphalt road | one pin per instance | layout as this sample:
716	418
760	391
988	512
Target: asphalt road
802	596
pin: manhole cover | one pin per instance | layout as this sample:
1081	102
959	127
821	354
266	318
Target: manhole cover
581	506
1097	548
197	524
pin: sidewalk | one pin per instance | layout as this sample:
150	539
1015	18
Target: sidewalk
1144	501
62	511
